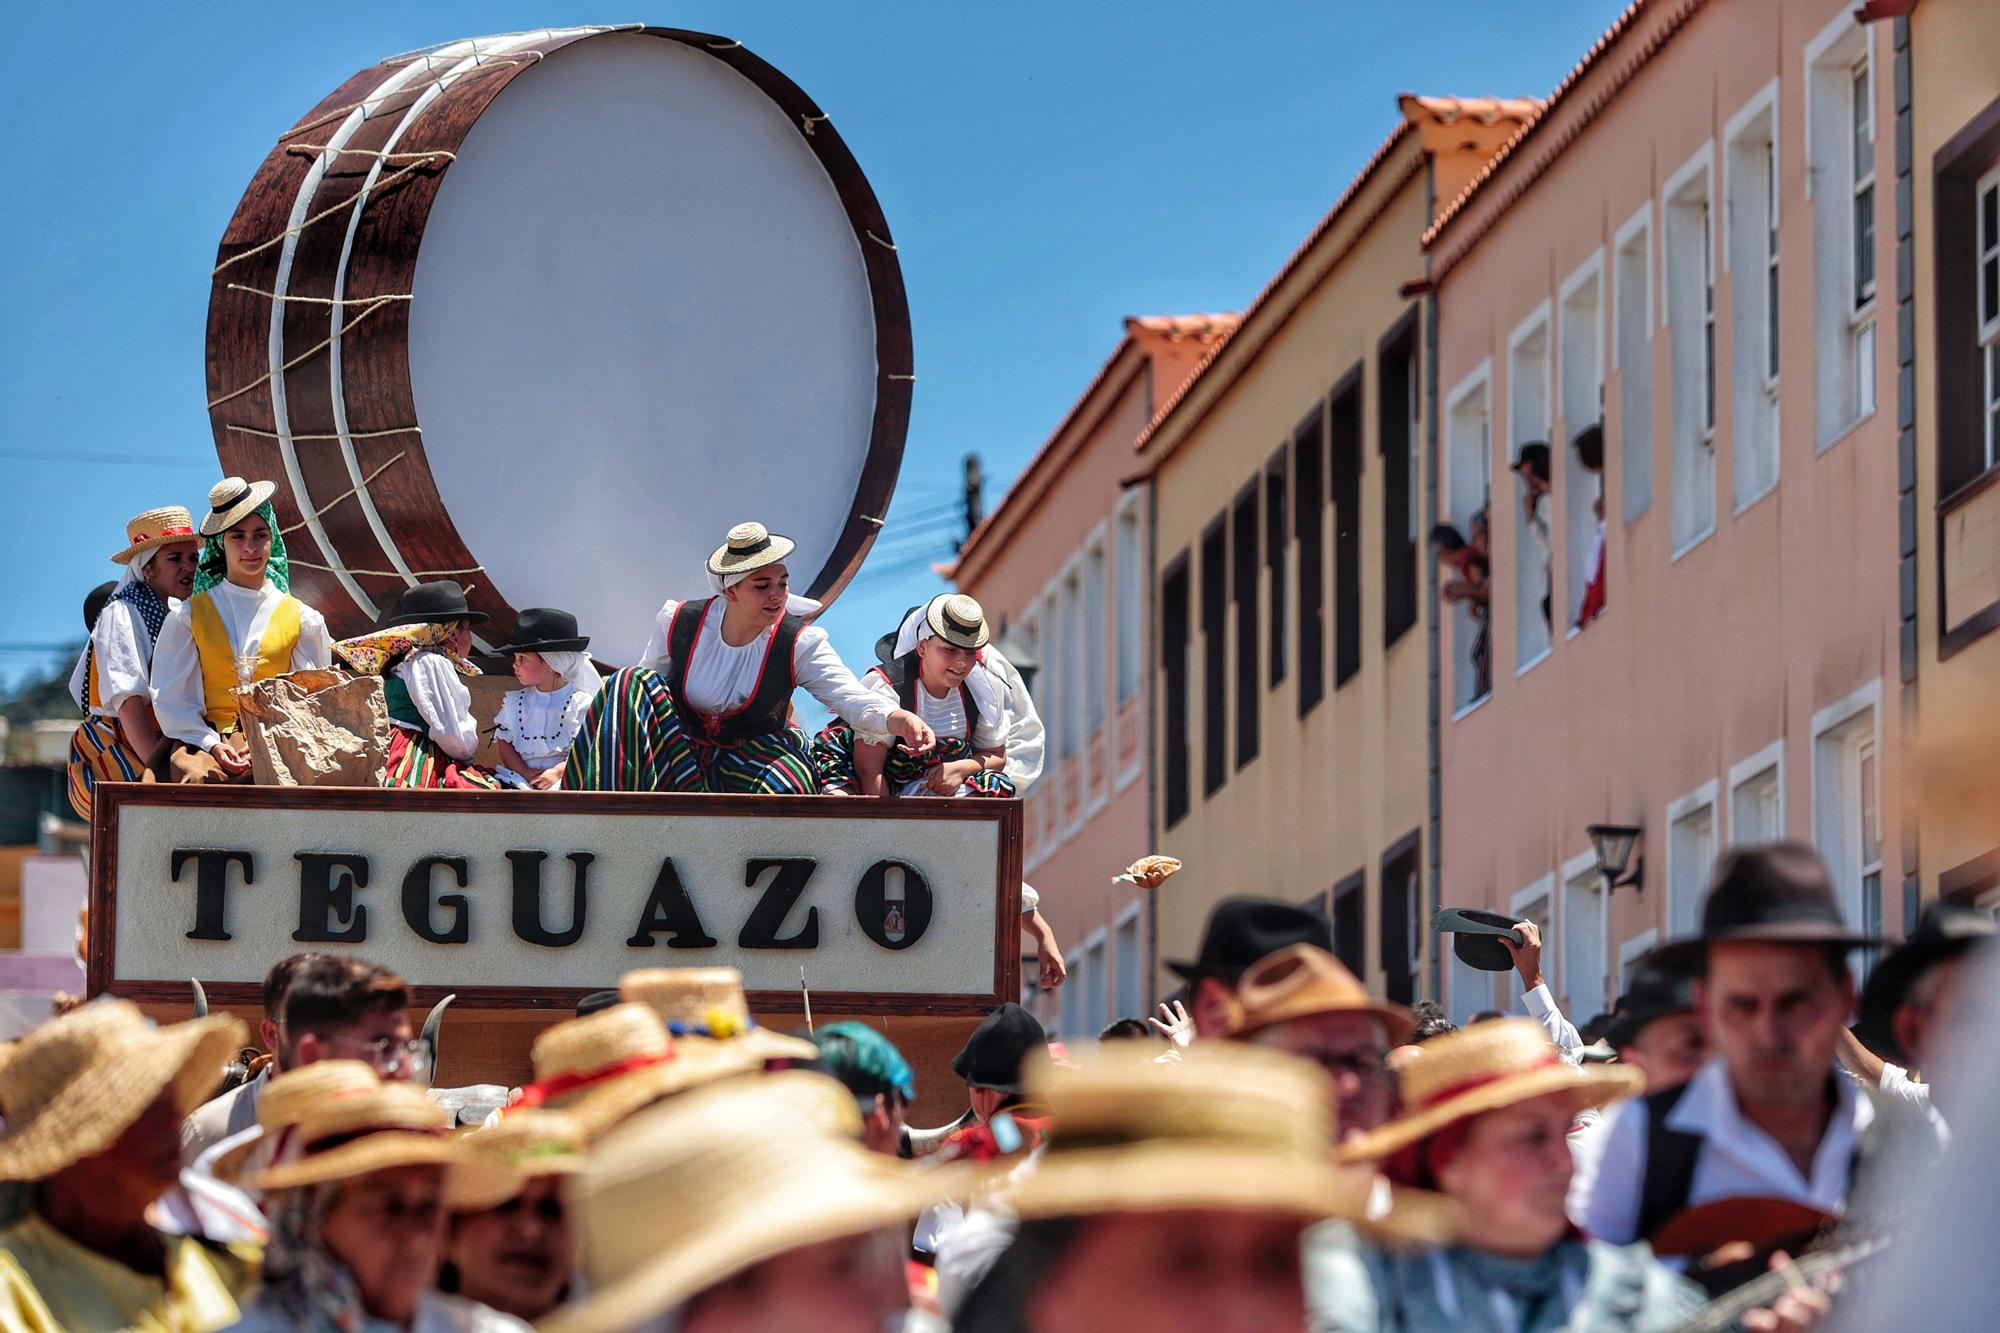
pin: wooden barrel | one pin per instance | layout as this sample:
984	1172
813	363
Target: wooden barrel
547	313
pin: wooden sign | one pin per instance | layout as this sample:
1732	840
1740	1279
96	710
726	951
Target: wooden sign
520	900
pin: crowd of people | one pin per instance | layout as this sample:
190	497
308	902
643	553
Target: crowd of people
203	612
1276	1149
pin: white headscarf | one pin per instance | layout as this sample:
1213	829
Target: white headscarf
575	669
135	569
916	627
795	605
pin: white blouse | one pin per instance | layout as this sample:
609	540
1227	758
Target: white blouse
946	716
1023	725
179	701
541	724
122	652
723	676
442	700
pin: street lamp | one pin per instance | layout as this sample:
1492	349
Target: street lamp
1613	845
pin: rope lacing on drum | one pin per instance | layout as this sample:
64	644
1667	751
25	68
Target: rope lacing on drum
546	34
886	245
375	303
357	197
370	152
350	491
319	300
729	44
334	435
367	104
807	123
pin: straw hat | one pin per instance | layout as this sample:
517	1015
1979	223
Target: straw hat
531	1142
156	527
232	500
1302	980
751	1175
958	620
1483	1068
390	1125
602	1068
73	1085
749	546
705	1007
289	1097
1232	1126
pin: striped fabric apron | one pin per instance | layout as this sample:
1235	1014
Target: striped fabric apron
633	738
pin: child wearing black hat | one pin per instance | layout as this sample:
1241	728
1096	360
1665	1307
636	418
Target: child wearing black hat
420	654
538	722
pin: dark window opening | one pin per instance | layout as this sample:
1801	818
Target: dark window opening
1402	914
1396	401
1276	538
1214	655
1308	516
1350	922
1345	435
1243	584
1174	670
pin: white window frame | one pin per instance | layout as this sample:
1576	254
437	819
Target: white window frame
1844	334
1678	809
1988	323
1578	489
1746	770
1094	955
1462	505
1831	727
1584	865
1545	890
1130	504
1143	966
1693	410
1528	610
1097	684
1635	448
1751	204
1631	951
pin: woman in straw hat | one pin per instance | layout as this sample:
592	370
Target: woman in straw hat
1486	1119
1174	1196
601	1068
519	1256
241	625
358	1216
420	654
779	1218
709	706
113	680
935	671
94	1101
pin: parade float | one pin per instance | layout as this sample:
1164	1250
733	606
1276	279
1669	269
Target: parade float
540	313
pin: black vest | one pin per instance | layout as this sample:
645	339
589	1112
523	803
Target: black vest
901	672
766	712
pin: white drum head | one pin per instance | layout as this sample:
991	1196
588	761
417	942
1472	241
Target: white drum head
640	315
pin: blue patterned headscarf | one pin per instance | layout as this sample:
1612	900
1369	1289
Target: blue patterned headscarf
214	566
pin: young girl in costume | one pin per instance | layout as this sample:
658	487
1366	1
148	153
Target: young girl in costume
538	722
936	673
420	656
241	625
112	682
709	707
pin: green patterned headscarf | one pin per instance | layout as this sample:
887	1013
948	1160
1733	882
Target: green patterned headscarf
214	566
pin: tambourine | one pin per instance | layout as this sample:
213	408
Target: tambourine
546	313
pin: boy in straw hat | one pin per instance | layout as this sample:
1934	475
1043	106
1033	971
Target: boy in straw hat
519	1255
779	1219
93	1102
240	626
358	1212
113	680
1173	1197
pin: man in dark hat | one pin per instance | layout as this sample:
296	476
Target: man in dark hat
991	1062
1914	1007
1767	1115
1241	932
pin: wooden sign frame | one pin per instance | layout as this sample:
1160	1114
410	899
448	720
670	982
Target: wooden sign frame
113	798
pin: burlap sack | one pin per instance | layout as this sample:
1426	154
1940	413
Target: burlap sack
317	729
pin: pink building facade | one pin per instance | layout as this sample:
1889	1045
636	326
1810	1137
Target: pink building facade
1062	566
1693	245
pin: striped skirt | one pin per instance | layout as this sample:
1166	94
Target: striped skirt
632	738
416	761
99	752
904	773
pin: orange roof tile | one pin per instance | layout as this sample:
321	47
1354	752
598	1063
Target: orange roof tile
1485	110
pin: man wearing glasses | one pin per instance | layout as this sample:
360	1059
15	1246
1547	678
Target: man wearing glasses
316	1007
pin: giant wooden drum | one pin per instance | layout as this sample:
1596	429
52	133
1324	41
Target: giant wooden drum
547	313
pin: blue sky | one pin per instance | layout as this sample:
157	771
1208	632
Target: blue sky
1048	168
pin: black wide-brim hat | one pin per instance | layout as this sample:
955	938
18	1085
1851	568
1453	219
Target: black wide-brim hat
437	603
544	629
1243	931
1656	992
1777	893
995	1051
1948	930
1476	936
